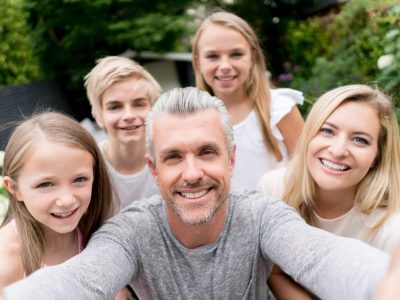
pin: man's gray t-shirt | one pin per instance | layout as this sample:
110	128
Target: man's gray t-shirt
138	244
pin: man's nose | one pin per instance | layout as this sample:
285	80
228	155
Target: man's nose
193	171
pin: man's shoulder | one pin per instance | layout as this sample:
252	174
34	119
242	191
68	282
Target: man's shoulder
250	199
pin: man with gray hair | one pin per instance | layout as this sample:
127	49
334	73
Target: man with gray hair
198	240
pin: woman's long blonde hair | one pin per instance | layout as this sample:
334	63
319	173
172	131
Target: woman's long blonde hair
380	188
257	85
26	138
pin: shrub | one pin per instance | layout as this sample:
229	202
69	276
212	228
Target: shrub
348	49
17	61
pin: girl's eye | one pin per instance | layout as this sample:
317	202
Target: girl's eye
360	140
44	185
80	179
237	54
212	56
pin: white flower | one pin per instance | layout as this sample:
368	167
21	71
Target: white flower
385	61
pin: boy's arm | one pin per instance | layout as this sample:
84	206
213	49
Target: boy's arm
285	288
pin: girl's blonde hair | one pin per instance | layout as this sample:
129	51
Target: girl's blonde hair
111	69
380	188
26	138
257	84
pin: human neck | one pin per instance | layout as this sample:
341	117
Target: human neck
194	236
60	247
333	204
126	159
238	106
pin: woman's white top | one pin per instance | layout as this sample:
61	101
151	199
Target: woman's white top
252	157
353	224
130	187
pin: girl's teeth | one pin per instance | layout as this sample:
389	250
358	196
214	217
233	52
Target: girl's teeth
334	166
63	215
194	195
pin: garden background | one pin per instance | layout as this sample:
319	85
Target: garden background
310	45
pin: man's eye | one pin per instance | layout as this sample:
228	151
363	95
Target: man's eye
207	152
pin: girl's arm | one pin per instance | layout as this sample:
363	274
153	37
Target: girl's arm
10	249
284	287
291	127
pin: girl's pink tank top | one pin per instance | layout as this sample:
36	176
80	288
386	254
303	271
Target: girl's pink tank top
78	233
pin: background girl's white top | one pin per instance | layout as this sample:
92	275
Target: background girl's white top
131	187
353	224
252	157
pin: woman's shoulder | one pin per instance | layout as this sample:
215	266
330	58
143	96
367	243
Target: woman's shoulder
272	183
10	251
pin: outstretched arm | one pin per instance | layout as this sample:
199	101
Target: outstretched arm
99	272
331	267
390	287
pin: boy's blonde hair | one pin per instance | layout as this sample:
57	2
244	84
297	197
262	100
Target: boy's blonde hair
380	188
112	69
257	85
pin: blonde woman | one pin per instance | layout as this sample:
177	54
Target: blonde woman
344	176
229	63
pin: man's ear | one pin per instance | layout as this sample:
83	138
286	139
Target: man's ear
11	187
232	160
152	167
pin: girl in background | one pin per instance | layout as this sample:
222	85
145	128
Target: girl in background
229	64
59	193
344	176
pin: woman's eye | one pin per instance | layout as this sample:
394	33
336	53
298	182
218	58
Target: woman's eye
326	130
360	140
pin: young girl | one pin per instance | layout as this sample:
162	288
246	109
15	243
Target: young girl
229	63
59	193
344	177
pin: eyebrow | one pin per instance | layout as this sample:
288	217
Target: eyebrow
353	132
170	150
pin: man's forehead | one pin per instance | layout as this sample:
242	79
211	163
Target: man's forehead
203	126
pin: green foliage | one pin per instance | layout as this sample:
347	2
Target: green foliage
348	48
70	35
17	62
389	75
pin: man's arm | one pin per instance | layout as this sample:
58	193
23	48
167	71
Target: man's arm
99	272
331	267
